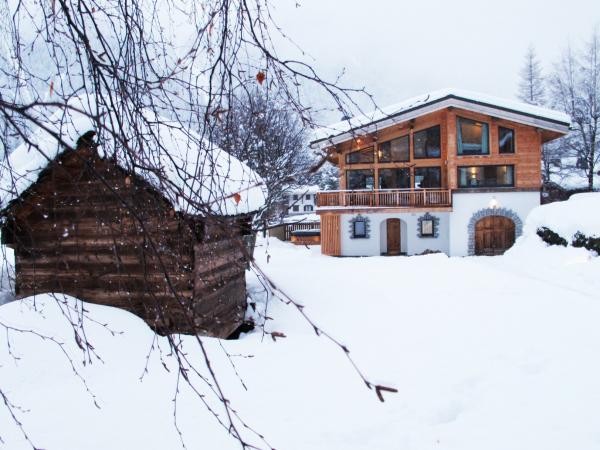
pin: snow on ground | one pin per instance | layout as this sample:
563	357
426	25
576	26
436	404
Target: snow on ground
486	352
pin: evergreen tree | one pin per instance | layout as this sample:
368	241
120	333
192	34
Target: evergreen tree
531	85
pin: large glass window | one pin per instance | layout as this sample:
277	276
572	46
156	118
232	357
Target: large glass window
472	137
394	178
506	140
486	176
364	156
396	150
427	143
428	177
359	179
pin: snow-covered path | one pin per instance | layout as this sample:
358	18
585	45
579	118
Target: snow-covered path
494	353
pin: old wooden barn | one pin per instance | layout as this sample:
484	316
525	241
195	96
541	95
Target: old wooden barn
165	238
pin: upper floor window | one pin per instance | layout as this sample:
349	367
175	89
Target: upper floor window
472	137
295	197
486	176
506	140
427	143
396	150
394	178
308	207
295	208
307	197
428	177
360	179
364	156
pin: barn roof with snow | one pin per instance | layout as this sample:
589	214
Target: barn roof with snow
192	173
515	111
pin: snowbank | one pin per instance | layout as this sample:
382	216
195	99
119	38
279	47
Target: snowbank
194	171
580	213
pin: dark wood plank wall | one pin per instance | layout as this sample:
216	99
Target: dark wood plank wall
73	233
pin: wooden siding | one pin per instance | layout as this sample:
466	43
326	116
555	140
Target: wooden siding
393	132
330	235
90	230
526	159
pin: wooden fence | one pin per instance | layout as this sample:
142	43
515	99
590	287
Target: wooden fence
290	227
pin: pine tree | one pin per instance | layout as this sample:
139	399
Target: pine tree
531	85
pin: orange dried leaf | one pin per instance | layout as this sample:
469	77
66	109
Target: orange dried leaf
237	198
260	77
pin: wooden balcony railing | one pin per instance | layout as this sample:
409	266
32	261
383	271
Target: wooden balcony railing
407	198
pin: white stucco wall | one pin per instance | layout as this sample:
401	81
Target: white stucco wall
453	232
410	242
464	205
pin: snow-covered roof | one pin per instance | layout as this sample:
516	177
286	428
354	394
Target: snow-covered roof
308	189
302	218
195	175
426	103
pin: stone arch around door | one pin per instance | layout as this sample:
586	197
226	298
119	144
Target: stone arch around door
488	212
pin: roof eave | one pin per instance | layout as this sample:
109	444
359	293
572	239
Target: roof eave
451	100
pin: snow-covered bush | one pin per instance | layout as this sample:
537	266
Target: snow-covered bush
550	237
588	242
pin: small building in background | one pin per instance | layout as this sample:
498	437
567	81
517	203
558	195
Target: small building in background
301	200
301	224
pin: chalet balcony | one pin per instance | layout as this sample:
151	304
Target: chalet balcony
385	198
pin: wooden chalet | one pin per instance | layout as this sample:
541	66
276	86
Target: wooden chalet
451	171
86	225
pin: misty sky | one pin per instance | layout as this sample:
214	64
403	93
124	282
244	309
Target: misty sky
397	49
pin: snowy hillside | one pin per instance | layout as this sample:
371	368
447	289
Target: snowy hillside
486	353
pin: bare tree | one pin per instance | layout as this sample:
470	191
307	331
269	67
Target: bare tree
133	65
575	89
262	131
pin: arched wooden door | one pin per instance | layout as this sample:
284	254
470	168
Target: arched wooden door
393	236
494	235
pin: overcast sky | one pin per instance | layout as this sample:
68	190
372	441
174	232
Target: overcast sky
397	49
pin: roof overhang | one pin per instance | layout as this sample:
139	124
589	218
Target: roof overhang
449	101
